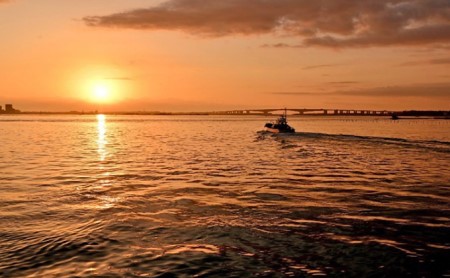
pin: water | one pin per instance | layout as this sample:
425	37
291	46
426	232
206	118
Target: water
182	196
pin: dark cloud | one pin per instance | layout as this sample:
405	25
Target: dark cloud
328	23
433	90
416	36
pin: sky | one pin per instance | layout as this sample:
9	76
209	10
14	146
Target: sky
205	55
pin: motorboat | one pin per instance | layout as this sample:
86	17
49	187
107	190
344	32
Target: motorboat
280	126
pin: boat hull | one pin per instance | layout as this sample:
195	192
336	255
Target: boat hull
274	129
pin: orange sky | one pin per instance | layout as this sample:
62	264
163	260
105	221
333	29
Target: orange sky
201	55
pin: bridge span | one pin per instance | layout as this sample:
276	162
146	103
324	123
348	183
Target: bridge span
307	111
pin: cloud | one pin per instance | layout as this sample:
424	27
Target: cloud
281	45
416	36
418	90
439	61
327	23
320	66
442	61
343	82
296	93
431	90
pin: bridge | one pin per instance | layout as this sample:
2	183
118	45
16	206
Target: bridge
305	111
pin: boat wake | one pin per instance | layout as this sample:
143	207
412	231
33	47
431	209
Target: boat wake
434	145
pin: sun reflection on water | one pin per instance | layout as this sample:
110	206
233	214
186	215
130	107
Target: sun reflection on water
101	141
104	179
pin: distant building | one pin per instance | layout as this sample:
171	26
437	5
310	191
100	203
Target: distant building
10	109
1	109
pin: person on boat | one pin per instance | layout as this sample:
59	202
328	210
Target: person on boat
282	120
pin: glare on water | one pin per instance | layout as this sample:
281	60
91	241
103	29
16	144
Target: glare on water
102	137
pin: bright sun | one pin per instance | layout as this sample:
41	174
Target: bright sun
101	92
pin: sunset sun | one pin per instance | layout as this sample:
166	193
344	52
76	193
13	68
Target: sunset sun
101	93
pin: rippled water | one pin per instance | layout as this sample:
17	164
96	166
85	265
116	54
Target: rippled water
164	196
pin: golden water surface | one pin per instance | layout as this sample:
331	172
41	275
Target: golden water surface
133	196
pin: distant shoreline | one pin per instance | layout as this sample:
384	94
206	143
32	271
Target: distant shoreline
404	114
